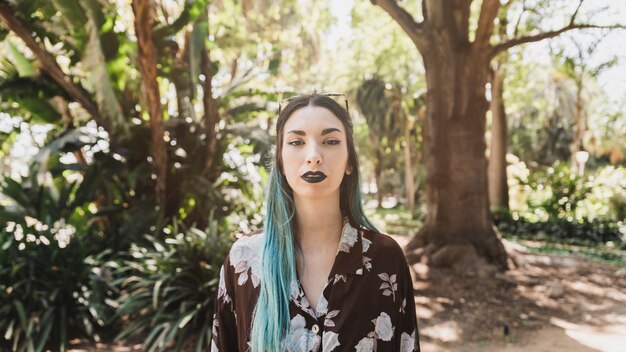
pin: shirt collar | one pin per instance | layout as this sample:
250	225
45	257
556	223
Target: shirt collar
349	257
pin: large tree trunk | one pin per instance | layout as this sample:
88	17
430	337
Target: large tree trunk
378	170
147	66
579	128
498	187
458	231
211	112
408	167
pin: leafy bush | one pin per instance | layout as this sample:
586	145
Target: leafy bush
52	287
168	288
559	206
557	192
583	232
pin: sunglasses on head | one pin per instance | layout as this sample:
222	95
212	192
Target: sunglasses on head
286	101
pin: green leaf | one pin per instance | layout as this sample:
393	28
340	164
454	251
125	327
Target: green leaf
63	326
9	332
47	322
155	294
24	66
186	319
22	314
99	81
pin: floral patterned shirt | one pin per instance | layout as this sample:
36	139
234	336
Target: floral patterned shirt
366	305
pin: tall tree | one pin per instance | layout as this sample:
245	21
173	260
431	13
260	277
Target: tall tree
148	67
578	68
498	187
458	230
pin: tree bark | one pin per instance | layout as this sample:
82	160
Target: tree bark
458	231
408	167
211	112
147	66
579	127
498	187
378	170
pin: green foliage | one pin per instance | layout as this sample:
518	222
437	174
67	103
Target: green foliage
557	192
585	232
557	205
52	286
169	287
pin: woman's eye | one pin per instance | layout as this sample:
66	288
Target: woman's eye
332	142
295	143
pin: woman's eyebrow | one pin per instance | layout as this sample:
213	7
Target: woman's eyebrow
324	131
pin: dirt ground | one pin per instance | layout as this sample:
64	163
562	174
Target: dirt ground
549	303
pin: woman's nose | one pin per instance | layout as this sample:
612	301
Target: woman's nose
314	156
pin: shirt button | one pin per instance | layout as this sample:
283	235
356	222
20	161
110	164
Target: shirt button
315	328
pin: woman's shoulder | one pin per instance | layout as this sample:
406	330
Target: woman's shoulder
246	246
381	243
244	258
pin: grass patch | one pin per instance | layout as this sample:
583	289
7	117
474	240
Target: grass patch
397	220
598	252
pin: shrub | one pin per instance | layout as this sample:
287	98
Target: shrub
52	285
51	290
169	287
583	232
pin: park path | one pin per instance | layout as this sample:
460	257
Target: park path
551	303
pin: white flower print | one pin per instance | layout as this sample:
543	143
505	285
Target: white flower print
349	237
214	332
300	339
366	243
340	277
367	263
383	327
390	286
328	320
221	289
365	345
407	342
246	254
322	306
403	306
330	341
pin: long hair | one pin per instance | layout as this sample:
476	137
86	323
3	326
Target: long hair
271	320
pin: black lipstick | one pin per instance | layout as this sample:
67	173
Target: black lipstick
313	177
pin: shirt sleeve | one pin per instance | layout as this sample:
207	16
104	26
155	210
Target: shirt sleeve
224	332
407	332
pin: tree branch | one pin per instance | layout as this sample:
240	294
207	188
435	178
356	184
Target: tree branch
415	30
488	13
573	18
49	64
541	36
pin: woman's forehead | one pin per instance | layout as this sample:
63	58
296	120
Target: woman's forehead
312	119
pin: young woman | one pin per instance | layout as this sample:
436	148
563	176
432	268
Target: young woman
319	277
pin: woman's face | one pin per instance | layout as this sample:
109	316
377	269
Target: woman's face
314	152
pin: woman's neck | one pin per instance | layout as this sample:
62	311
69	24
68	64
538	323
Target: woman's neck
319	224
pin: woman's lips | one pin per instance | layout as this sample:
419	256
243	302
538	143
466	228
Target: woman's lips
313	177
